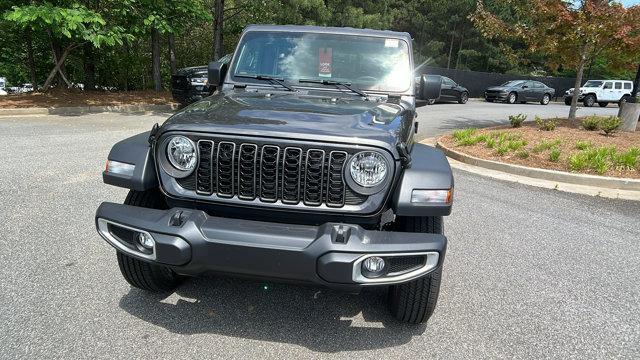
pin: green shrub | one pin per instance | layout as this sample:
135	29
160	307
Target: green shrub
583	144
610	125
517	120
546	145
522	154
546	124
491	142
591	123
554	155
597	159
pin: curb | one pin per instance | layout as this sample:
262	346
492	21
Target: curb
79	110
543	174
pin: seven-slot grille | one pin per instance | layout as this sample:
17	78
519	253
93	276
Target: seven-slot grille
271	173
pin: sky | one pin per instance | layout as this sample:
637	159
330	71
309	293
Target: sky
630	2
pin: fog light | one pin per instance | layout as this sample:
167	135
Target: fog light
145	242
373	267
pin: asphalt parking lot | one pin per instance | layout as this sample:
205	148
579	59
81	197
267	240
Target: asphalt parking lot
529	273
443	117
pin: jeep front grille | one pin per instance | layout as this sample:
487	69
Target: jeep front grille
270	173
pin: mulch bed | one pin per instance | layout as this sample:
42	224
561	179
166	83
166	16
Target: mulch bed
74	98
568	133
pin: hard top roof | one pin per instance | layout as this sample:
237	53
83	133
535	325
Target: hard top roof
331	30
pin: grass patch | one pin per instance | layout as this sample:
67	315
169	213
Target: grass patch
583	144
554	155
591	123
627	160
610	125
523	154
517	120
545	145
596	159
459	135
546	124
516	144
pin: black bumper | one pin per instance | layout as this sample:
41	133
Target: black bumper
496	96
323	255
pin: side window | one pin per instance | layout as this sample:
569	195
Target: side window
627	86
538	85
448	81
618	85
608	85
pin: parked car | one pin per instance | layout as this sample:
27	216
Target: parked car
190	84
449	89
602	92
2	92
520	91
303	167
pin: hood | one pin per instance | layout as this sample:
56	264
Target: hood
295	115
498	88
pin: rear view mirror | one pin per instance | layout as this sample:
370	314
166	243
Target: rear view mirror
216	72
430	87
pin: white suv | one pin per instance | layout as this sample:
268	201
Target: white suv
602	92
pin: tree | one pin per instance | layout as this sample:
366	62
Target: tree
75	24
567	33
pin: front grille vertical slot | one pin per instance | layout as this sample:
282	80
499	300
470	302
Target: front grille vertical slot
335	181
269	160
313	177
225	168
205	166
291	170
247	171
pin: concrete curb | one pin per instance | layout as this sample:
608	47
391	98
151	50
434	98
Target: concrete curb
79	110
543	174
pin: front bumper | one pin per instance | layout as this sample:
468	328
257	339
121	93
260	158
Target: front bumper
496	96
329	255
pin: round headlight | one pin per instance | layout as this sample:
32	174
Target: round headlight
181	153
368	168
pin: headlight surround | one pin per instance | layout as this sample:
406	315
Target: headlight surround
368	172
178	156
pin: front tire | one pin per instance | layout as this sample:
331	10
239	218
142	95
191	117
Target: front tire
623	100
513	97
567	101
545	99
414	302
589	100
141	274
464	97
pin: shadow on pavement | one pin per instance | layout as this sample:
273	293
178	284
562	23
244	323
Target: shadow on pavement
315	318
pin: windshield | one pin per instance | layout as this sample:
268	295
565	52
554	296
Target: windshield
593	84
368	63
513	83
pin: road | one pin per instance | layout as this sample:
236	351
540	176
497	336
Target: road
529	273
443	117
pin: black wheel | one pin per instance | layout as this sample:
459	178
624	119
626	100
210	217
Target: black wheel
623	100
431	101
513	97
464	97
141	274
414	301
545	99
567	101
603	104
589	100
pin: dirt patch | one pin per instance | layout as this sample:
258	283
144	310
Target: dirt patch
569	145
74	98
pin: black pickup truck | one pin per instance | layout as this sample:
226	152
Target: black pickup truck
302	168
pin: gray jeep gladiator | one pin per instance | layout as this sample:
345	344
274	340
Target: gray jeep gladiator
301	168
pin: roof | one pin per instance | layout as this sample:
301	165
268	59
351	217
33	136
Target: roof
331	30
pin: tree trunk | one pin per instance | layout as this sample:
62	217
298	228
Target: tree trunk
172	54
89	67
155	57
636	84
31	62
218	26
57	51
576	89
460	49
57	69
451	48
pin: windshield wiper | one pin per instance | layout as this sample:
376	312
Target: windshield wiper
336	83
279	81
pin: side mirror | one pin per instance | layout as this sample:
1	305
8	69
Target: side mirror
216	72
525	87
430	87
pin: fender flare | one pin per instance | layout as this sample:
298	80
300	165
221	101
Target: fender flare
137	152
429	170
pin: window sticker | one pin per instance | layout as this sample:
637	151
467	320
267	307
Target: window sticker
391	43
325	60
